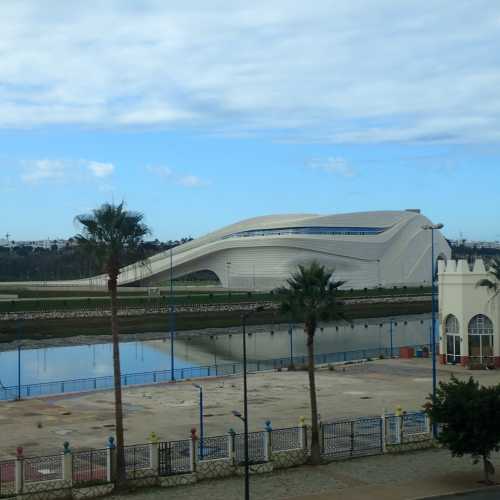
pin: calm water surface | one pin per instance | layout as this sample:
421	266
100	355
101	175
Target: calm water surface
62	363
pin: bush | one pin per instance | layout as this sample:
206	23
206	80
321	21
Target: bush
468	415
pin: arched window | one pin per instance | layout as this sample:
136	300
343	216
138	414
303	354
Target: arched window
481	339
452	331
480	325
451	324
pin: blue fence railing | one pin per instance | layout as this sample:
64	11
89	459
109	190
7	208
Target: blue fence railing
155	377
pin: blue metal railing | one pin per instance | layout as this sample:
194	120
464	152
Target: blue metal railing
155	377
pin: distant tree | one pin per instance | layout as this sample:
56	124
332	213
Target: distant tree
110	233
493	281
469	416
310	296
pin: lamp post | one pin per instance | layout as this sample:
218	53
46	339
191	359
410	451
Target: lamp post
244	417
172	318
214	338
245	408
237	414
290	333
200	388
18	361
391	322
432	228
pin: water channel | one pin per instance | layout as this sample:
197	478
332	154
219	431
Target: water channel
85	361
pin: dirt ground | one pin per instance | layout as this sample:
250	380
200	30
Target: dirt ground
41	426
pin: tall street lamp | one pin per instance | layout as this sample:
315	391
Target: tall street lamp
391	322
432	228
237	414
244	417
200	388
18	331
172	318
214	340
290	334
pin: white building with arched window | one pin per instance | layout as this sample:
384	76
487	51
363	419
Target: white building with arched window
469	315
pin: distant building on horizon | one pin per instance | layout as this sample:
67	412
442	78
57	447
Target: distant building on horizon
46	244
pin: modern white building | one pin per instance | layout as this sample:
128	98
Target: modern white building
366	249
469	315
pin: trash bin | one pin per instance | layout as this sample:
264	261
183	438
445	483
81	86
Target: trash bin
406	352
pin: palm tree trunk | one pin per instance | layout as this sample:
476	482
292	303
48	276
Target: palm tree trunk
486	469
315	448
120	452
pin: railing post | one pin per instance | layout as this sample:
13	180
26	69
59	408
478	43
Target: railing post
67	459
111	459
154	452
398	429
231	445
383	432
352	436
402	427
427	424
19	475
268	441
303	433
192	450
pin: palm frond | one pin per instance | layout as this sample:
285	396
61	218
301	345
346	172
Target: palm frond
310	294
111	233
487	283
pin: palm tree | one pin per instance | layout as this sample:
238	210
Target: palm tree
110	233
311	296
493	282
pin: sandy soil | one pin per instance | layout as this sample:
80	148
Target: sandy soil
170	410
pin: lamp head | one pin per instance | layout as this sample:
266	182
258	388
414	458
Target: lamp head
432	226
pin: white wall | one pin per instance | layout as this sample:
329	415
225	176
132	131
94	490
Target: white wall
459	295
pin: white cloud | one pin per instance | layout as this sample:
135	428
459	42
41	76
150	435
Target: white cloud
191	181
344	71
337	166
186	180
101	169
44	170
160	170
56	170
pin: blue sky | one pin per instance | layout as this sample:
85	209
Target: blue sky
200	116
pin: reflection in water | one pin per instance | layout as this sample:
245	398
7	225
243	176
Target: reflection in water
332	337
61	363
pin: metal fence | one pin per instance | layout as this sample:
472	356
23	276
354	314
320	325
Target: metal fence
37	469
339	439
154	377
7	478
256	448
174	457
137	460
358	437
286	439
90	467
213	448
406	428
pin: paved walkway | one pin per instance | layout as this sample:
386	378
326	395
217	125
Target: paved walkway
390	477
